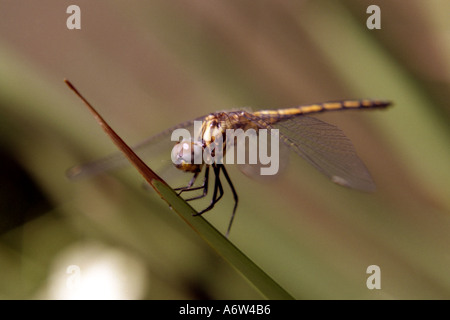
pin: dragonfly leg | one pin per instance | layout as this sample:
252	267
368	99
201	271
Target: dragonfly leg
218	190
204	186
189	185
235	196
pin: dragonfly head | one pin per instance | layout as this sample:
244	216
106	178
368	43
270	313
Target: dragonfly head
187	156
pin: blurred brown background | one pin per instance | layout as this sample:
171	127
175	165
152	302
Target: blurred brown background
147	65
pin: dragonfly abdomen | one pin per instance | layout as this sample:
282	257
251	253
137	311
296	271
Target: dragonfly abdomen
282	114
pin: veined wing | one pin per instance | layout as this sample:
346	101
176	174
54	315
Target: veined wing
150	147
328	149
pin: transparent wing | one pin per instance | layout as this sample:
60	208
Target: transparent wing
157	148
254	170
328	149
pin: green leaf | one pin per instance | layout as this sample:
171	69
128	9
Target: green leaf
266	285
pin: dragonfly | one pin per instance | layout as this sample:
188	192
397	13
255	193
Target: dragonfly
321	144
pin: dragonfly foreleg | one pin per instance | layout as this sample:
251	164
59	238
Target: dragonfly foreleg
189	185
218	190
204	186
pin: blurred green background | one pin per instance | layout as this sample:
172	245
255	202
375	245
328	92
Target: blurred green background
147	65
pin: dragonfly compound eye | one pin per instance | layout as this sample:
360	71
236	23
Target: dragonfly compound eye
187	156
